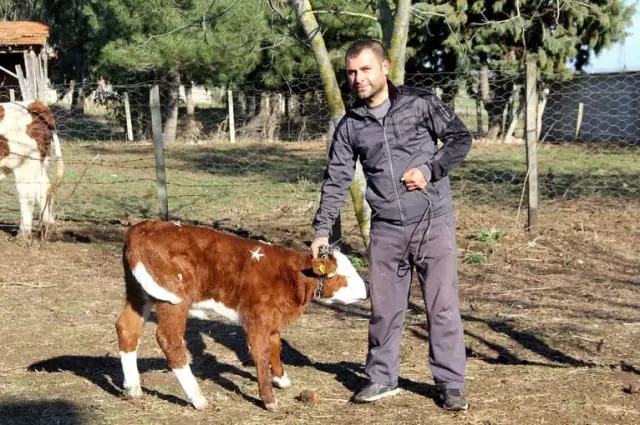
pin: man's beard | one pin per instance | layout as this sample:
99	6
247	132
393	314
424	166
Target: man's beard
366	96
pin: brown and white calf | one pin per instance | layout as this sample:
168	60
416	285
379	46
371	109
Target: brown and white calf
27	130
178	268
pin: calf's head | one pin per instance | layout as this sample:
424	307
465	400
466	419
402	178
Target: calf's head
339	279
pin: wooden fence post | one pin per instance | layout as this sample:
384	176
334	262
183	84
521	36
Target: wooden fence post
579	119
531	124
36	73
127	113
232	127
161	174
24	87
12	95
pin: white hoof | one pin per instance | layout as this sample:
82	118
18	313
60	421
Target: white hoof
200	403
281	381
134	390
272	407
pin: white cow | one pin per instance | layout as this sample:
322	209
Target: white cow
26	132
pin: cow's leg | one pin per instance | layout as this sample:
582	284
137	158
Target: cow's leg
27	179
172	323
129	329
45	200
279	376
260	348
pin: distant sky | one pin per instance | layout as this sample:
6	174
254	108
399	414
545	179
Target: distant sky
621	56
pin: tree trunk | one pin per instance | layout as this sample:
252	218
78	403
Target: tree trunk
479	128
308	22
484	84
77	105
514	113
398	43
191	106
449	91
189	127
495	94
171	123
386	21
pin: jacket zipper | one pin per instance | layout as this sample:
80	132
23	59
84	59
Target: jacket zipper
395	121
393	178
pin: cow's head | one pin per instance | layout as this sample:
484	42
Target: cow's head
338	279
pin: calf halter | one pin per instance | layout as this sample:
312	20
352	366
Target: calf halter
326	252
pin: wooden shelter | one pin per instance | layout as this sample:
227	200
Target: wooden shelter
24	55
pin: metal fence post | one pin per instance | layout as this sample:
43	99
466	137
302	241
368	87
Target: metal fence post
161	174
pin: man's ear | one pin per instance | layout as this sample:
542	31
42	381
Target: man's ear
322	267
386	66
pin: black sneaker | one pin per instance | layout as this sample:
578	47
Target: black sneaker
374	391
453	399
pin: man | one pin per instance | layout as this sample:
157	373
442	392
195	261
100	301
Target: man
393	132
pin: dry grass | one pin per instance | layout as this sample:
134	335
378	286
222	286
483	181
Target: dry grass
551	328
551	322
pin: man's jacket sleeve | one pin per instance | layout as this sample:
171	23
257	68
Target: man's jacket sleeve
445	125
337	179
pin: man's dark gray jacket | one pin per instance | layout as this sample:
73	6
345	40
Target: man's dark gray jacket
406	138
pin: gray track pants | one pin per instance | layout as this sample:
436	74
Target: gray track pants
393	251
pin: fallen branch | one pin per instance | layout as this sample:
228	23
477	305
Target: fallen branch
30	285
541	288
510	316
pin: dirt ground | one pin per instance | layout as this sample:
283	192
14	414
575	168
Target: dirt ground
552	325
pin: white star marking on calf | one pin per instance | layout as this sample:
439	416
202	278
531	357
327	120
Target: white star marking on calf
256	255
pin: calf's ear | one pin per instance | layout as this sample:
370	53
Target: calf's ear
322	267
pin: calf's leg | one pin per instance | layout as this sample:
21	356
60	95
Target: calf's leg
129	330
27	176
279	376
45	201
172	323
260	348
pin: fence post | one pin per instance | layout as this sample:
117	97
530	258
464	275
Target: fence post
37	76
127	113
161	175
24	88
12	95
531	124
579	119
28	75
232	127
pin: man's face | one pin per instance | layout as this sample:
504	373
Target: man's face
367	75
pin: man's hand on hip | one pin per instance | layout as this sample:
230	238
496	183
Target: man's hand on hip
317	243
414	179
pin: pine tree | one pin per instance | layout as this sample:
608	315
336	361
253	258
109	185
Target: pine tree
495	37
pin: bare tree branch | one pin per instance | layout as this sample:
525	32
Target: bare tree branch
276	11
199	22
424	16
345	12
151	37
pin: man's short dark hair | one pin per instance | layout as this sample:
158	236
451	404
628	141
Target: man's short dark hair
375	46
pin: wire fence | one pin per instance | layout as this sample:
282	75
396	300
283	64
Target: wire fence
251	154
